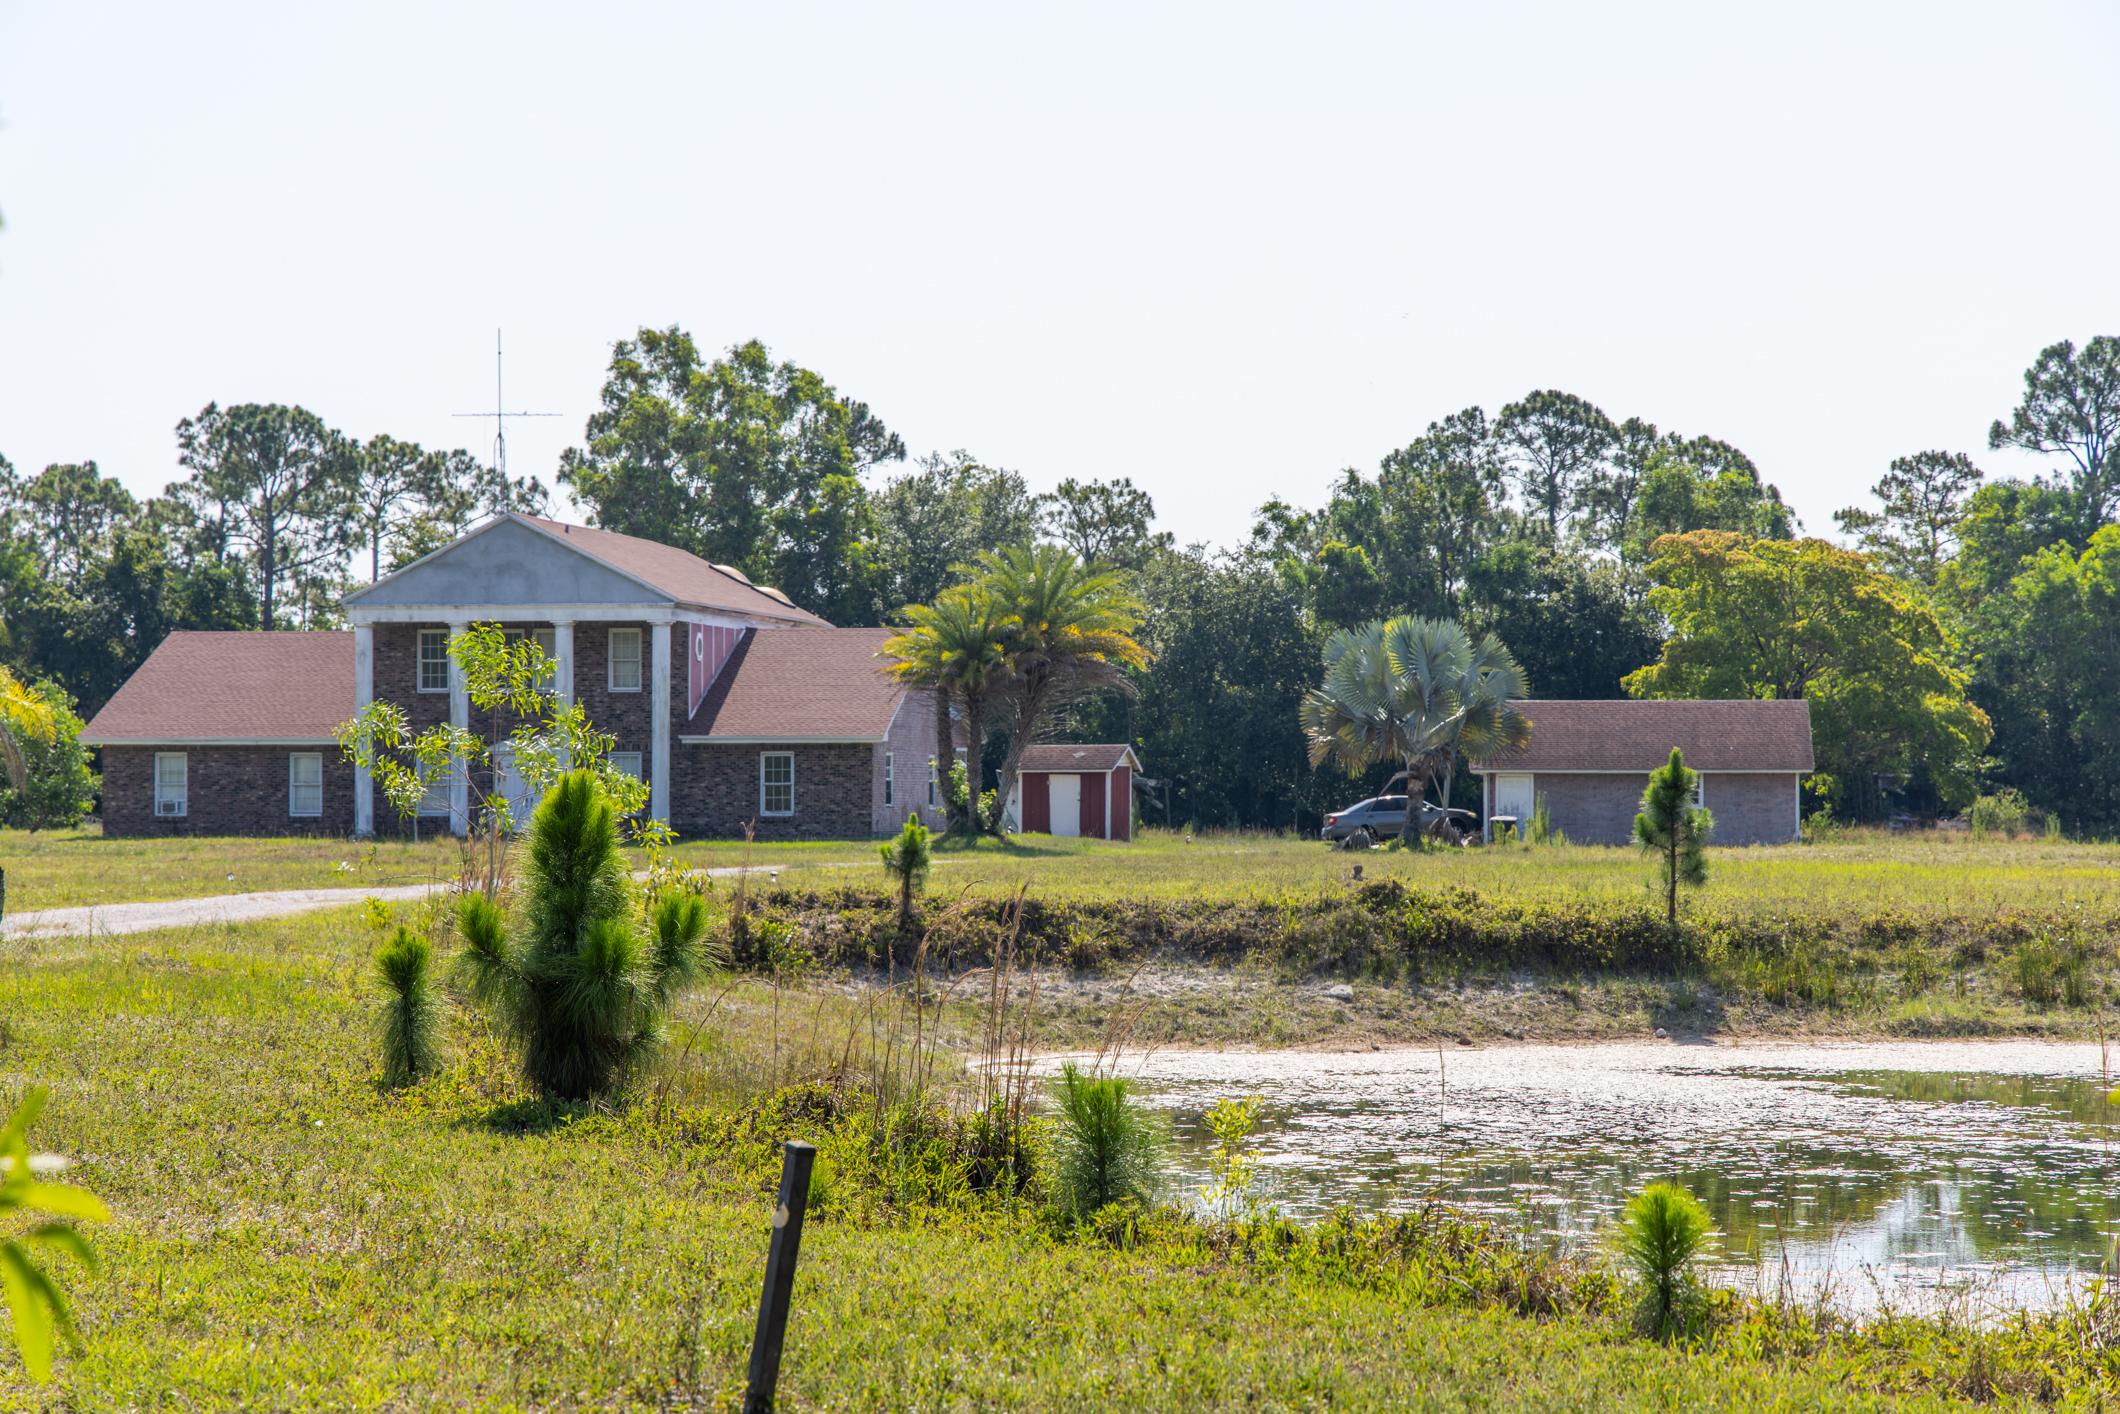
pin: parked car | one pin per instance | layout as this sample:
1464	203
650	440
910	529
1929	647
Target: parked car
1382	817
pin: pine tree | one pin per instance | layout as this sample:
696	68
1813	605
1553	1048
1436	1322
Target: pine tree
1674	829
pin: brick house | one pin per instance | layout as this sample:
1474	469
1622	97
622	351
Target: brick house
783	719
1591	762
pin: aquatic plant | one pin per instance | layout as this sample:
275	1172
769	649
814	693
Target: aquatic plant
581	991
33	1298
1664	1231
1106	1147
409	1019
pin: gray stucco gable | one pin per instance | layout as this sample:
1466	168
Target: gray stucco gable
506	563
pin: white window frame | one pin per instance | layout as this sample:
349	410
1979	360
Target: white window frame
934	779
764	784
434	801
296	785
619	762
421	660
181	797
612	660
889	796
1700	790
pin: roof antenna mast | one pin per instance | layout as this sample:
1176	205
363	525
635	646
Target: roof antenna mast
500	415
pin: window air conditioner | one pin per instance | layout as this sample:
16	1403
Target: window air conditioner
169	807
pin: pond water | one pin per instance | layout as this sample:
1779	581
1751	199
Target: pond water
1862	1172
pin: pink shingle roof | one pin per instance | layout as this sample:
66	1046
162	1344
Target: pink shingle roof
817	684
1068	757
207	687
1638	736
680	574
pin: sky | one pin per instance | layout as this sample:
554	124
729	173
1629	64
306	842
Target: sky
1223	250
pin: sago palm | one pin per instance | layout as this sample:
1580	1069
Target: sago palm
24	716
957	646
1070	635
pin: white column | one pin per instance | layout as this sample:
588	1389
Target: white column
563	661
460	718
363	695
659	733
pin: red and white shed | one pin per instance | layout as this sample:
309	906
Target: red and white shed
1082	792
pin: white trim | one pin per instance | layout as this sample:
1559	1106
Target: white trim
363	696
460	719
567	613
182	799
890	781
203	742
419	661
782	740
611	658
659	734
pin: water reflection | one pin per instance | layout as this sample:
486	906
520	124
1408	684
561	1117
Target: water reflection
1869	1170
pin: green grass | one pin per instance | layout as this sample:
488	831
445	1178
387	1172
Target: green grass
290	1235
69	868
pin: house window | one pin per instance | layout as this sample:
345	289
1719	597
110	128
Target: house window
435	799
932	783
171	781
889	797
625	660
776	783
1700	790
305	783
626	763
547	642
434	660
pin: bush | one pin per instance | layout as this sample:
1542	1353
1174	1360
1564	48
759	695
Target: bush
1106	1148
580	990
1664	1231
2000	814
59	788
408	1022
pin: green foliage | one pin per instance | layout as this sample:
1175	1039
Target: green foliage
743	461
1577	625
1916	535
57	788
1106	1148
1231	1171
2071	410
1105	523
579	989
1664	1230
933	521
410	1019
2000	814
1542	831
1806	619
34	1300
1674	829
906	860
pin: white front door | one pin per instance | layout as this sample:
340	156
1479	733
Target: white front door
1513	795
522	801
1067	805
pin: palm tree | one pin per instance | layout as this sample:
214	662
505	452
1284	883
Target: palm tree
1416	691
1069	635
24	715
958	648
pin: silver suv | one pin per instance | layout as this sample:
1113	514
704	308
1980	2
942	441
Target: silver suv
1382	817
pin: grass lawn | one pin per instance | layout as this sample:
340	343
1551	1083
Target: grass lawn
1929	873
286	1235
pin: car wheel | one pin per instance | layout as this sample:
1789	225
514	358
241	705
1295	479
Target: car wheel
1367	836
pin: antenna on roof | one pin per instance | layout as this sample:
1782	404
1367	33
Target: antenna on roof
499	416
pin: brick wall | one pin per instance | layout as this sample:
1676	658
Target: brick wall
1754	809
1600	809
232	790
911	742
714	790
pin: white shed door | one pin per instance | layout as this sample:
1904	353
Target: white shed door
1067	805
1513	796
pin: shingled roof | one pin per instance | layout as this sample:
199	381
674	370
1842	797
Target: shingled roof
1066	757
678	573
782	686
200	689
1638	736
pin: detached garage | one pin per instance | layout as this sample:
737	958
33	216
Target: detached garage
1082	792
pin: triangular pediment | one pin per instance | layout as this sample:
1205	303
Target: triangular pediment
506	562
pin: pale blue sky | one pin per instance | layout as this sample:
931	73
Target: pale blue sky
1225	250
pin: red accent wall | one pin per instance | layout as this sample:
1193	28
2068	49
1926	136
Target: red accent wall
1123	803
1093	805
1037	804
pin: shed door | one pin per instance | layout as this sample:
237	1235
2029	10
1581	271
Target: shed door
1513	795
1067	805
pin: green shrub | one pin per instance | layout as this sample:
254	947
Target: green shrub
580	990
1106	1148
2003	813
409	1020
58	788
2037	964
906	860
1664	1231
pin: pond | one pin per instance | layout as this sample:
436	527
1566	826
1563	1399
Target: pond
1864	1173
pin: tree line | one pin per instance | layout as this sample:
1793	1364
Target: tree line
1966	642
